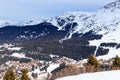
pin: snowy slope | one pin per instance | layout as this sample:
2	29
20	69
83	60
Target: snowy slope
7	22
112	37
108	75
71	17
103	21
52	67
4	23
18	55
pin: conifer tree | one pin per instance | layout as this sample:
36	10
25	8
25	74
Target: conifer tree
25	75
9	75
93	61
116	62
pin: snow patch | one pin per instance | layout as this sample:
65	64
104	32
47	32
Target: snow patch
112	37
108	75
52	67
14	48
18	55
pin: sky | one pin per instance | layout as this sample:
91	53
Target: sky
27	10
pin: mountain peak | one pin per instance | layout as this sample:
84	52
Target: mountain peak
115	4
117	0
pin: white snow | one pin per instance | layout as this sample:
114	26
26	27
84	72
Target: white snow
78	17
52	67
42	76
31	23
7	22
108	75
18	55
112	53
4	23
14	48
102	21
112	37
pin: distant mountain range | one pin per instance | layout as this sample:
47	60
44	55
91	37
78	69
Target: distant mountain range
101	29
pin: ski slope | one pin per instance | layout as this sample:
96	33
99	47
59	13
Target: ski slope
108	75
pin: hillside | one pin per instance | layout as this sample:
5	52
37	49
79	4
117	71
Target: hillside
108	75
73	34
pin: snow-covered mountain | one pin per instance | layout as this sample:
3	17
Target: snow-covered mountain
104	23
7	22
4	23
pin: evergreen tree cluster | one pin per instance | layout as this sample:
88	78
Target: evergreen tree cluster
116	62
75	48
93	61
10	75
24	75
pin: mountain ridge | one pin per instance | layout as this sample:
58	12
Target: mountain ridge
92	28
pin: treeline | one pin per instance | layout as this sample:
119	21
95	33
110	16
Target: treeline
7	58
39	57
75	48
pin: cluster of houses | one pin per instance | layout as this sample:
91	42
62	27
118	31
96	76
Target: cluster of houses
37	69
